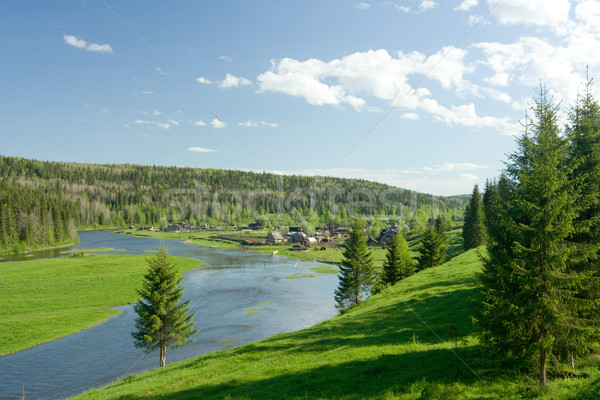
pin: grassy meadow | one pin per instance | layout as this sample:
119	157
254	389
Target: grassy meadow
46	299
399	344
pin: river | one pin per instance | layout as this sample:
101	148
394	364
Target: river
222	291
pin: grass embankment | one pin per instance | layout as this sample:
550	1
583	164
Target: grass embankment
329	255
396	345
46	299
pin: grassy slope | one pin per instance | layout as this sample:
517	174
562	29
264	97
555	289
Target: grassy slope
380	350
46	299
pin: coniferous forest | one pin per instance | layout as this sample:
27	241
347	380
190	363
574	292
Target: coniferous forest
96	196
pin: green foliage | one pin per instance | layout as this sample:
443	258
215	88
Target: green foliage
121	195
162	322
474	231
398	263
433	249
532	306
356	269
34	217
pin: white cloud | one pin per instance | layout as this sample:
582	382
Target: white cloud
203	80
248	124
478	20
269	124
451	167
466	5
141	121
411	116
200	123
105	111
160	71
233	81
402	8
173	122
147	92
378	74
217	124
362	6
427	5
156	112
82	44
164	125
531	12
225	58
201	150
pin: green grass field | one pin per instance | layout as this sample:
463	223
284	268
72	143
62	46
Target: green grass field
46	299
398	344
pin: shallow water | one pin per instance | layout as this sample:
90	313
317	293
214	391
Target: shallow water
226	294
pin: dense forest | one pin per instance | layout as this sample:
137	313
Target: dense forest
121	195
34	216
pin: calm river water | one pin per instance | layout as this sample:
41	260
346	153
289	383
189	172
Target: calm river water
222	290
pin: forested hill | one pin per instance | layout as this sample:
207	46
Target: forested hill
124	194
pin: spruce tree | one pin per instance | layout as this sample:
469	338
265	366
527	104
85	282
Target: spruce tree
474	232
433	249
583	131
162	322
356	272
398	262
528	297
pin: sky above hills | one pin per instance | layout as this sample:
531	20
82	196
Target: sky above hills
421	94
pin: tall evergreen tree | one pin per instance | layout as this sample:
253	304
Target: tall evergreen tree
474	231
398	262
583	131
162	322
356	272
433	249
527	294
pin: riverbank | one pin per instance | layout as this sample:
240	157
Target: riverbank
46	299
26	250
399	344
330	255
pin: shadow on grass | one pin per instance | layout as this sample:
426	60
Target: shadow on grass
397	374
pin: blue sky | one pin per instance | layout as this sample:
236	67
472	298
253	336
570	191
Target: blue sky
421	94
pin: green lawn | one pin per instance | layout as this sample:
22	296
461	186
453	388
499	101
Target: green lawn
46	299
397	345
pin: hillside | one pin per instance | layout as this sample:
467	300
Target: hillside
124	194
397	345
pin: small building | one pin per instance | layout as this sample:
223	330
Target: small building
275	238
296	237
173	228
372	242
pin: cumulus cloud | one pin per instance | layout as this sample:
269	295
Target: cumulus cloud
362	6
402	8
248	124
203	80
466	5
225	58
164	125
411	116
531	12
427	5
217	124
269	124
378	74
82	44
201	150
231	81
200	123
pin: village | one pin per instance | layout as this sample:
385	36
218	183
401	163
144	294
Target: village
328	236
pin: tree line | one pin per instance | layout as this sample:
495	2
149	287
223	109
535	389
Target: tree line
33	217
122	195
